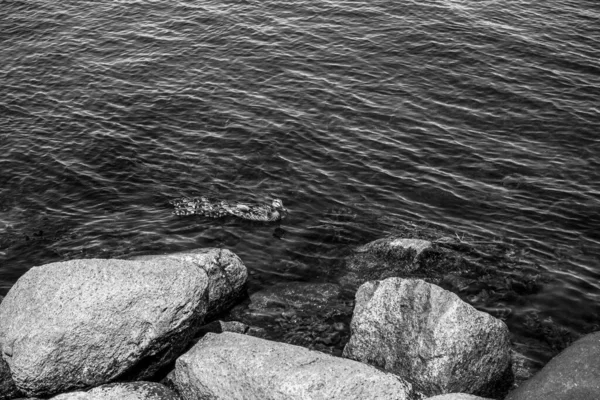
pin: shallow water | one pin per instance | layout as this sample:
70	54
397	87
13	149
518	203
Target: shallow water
479	119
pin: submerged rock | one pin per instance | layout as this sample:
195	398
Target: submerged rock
230	366
574	374
399	257
82	323
226	272
224	326
522	368
123	391
298	295
430	337
311	315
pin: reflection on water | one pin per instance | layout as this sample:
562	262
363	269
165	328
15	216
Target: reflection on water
366	118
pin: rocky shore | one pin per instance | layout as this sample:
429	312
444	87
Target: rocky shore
148	328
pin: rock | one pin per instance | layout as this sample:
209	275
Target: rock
574	374
456	396
398	257
123	391
429	337
226	272
224	326
232	366
299	295
300	313
82	323
8	390
522	368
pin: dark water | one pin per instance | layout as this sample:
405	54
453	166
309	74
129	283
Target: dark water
477	118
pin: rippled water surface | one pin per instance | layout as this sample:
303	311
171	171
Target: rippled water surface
480	119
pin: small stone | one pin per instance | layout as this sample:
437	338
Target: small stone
339	326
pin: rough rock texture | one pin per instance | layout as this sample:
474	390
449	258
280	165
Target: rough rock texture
232	366
226	272
522	368
456	396
574	374
398	257
224	326
8	390
82	323
299	295
123	391
430	337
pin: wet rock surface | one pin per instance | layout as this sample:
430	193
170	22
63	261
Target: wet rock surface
480	271
233	366
522	368
400	257
296	295
317	315
572	375
226	272
491	274
430	337
224	326
82	323
313	315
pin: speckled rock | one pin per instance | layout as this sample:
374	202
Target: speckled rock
398	257
430	337
82	323
226	272
574	374
522	368
123	391
8	390
224	326
231	366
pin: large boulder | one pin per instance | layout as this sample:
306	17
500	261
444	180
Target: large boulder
574	374
226	272
8	389
399	257
430	337
82	323
123	391
231	366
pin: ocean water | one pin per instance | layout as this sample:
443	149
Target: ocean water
479	119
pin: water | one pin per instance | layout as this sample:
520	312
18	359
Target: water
477	118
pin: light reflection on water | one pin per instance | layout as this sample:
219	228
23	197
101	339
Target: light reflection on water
364	117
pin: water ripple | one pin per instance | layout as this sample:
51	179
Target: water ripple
477	117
